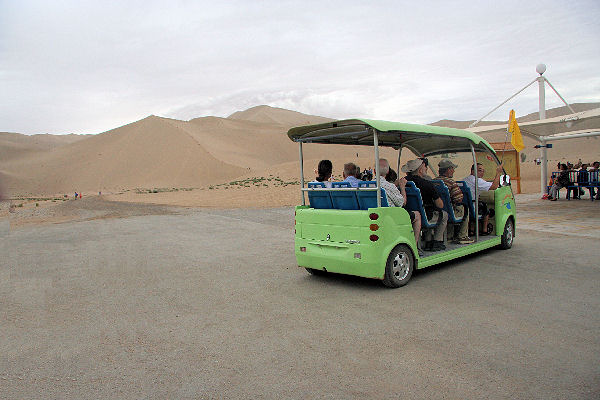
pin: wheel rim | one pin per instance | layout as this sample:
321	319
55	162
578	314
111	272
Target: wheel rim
509	233
401	266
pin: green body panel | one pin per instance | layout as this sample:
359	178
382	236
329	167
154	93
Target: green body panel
349	232
504	207
443	256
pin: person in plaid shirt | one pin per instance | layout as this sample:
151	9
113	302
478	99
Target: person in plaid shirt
446	170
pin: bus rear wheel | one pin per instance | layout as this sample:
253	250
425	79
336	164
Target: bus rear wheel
399	267
318	272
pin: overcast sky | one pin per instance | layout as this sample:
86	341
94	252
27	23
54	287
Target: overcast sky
91	66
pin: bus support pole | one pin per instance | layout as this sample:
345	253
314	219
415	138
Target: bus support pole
302	175
476	200
376	145
399	156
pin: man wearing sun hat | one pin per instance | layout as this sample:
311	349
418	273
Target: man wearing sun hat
446	170
416	171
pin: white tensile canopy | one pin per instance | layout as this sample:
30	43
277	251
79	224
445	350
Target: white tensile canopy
570	126
581	124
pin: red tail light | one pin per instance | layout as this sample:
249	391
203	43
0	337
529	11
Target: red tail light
374	238
373	216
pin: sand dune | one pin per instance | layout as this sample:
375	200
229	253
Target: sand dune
158	152
148	153
277	116
15	145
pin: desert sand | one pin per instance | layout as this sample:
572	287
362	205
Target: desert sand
244	160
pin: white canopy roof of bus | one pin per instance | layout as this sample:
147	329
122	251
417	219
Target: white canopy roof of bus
585	123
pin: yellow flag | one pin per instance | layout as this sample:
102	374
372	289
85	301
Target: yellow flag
516	139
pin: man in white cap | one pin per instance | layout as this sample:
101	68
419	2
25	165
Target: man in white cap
446	170
416	170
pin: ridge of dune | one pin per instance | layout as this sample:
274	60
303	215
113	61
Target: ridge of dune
16	145
276	115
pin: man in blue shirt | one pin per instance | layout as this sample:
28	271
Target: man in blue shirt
349	174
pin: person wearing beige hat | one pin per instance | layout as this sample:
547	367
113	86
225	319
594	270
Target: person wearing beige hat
416	170
446	170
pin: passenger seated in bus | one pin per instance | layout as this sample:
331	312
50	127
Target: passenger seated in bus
446	170
358	174
396	195
483	186
324	171
415	171
350	174
391	176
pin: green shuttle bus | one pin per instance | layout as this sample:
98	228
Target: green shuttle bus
352	231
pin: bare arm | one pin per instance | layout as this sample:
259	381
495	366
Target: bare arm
401	183
496	181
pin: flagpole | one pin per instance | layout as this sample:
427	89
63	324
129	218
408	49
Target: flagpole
504	146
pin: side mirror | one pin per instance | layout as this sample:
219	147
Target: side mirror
505	180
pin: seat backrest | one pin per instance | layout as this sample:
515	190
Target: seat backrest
583	176
467	198
319	198
368	198
573	176
593	177
342	184
414	202
444	193
343	199
367	184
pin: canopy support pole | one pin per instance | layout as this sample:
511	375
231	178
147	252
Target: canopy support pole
398	164
302	175
544	156
376	145
476	200
503	103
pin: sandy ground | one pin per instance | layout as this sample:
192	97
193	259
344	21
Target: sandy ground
168	302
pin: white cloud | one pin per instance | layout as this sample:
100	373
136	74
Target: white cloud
91	66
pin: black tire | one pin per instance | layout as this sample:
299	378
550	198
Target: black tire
508	235
316	272
399	267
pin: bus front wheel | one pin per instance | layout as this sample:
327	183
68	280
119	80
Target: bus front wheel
399	267
507	235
